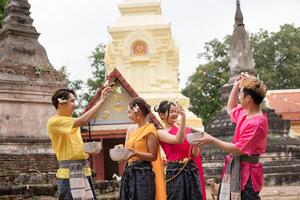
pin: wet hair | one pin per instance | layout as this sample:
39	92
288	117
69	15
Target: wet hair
164	107
141	104
62	94
253	87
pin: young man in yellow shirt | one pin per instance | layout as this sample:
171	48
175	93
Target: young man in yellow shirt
74	175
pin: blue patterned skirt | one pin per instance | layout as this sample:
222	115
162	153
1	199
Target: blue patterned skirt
186	185
138	182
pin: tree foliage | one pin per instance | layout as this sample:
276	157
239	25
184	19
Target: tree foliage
2	5
203	86
277	57
277	61
87	89
98	73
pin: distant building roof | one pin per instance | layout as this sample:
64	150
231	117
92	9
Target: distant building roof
285	102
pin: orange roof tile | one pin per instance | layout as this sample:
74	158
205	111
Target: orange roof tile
285	102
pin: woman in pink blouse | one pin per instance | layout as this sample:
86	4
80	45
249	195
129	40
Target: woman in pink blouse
243	173
184	173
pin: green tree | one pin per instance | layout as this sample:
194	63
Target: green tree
87	89
277	61
203	86
277	57
2	5
98	72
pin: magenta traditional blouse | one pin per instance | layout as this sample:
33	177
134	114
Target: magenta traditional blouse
250	137
179	151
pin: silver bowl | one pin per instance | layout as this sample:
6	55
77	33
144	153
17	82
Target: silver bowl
118	154
194	136
92	147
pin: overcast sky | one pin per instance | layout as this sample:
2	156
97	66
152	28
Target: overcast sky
71	29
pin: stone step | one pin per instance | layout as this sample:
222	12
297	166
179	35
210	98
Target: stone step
21	197
280	162
29	190
283	173
106	190
16	169
273	179
282	170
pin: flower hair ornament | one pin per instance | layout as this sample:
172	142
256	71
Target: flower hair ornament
156	108
62	100
136	108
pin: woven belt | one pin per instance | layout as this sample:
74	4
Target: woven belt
250	159
134	161
182	161
66	163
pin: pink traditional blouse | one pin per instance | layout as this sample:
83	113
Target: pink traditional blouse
250	137
179	151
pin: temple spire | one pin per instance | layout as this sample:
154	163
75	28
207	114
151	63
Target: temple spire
19	39
241	58
238	14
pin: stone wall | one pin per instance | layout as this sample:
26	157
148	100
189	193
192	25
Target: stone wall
26	162
28	169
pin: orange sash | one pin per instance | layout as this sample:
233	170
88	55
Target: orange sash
137	141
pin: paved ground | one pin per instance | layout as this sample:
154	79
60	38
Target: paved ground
275	193
268	193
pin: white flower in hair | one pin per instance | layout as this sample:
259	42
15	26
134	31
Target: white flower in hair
136	108
62	100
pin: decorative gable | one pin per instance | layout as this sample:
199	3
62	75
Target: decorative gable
114	110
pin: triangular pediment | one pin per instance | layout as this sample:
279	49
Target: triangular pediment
114	111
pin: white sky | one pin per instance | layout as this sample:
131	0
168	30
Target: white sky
71	29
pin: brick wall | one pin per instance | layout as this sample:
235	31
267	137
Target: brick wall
34	168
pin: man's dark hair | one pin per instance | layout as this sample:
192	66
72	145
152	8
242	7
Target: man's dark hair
257	98
62	94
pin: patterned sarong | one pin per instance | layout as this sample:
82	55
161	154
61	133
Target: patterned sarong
186	185
64	190
138	182
79	185
230	188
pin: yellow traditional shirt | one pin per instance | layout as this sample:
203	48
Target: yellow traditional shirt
67	142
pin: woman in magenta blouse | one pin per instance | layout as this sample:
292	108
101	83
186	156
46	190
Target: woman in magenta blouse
243	173
184	173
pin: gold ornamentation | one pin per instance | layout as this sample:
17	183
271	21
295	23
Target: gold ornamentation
118	105
105	115
139	49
